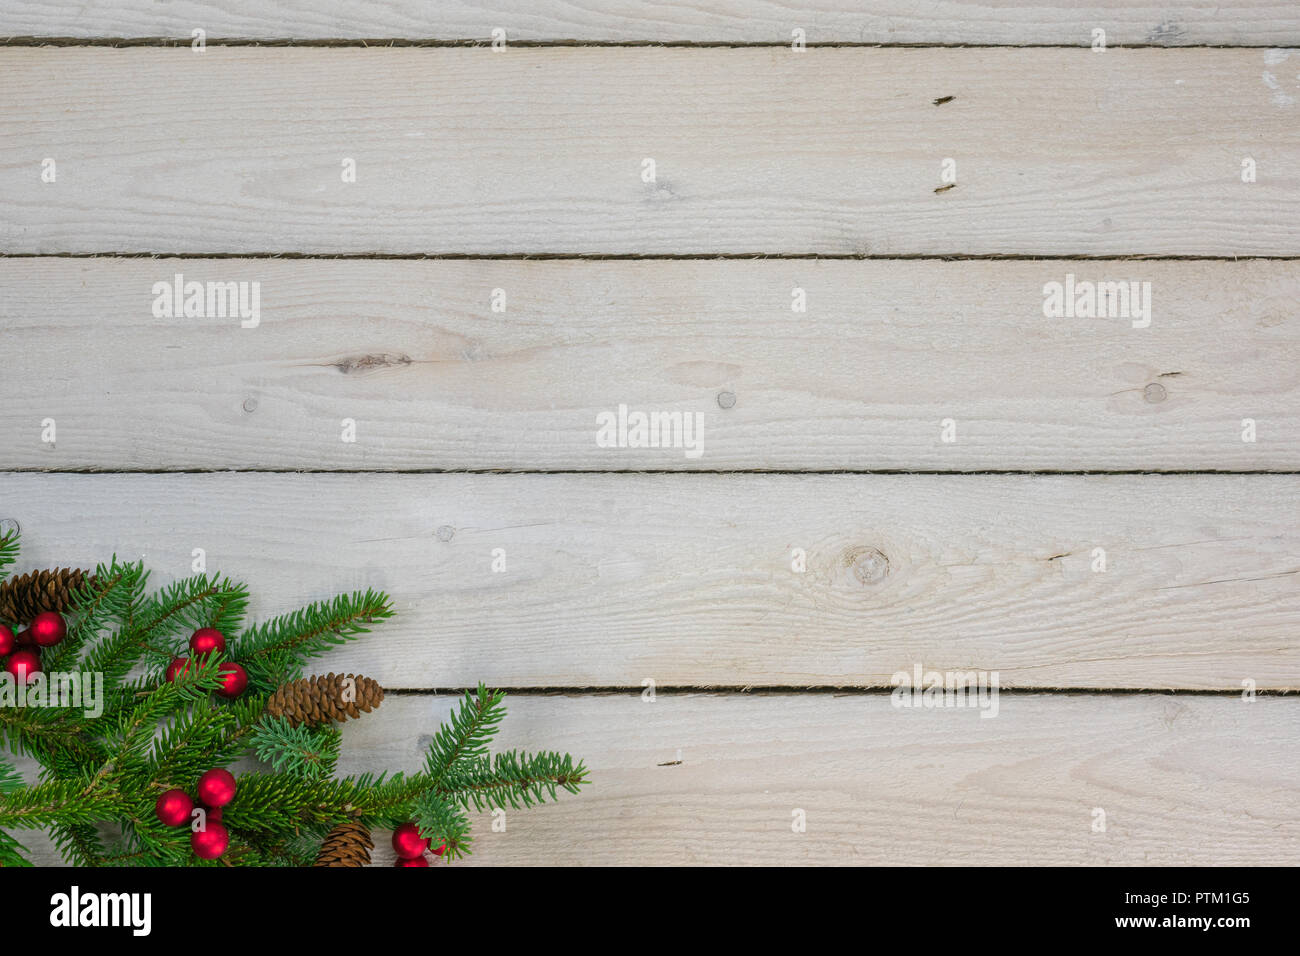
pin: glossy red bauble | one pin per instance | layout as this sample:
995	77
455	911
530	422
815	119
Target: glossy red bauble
408	843
216	787
233	680
440	850
207	640
417	861
23	663
210	842
173	808
213	814
177	667
7	640
48	628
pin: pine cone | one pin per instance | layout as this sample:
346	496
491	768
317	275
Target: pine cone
348	844
23	597
318	700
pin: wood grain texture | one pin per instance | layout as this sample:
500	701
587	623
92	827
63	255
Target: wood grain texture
833	151
688	580
1182	780
1166	22
435	379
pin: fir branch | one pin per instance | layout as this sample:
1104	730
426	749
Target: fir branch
513	779
79	843
243	716
10	779
131	739
8	553
300	751
444	823
11	852
119	600
57	803
276	651
181	608
227	608
270	802
103	597
186	737
54	737
145	842
302	848
154	734
471	728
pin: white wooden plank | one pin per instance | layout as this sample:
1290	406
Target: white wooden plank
412	351
1182	780
1166	22
689	580
832	151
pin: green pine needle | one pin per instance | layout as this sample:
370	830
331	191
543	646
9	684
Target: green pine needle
8	553
444	823
300	751
277	650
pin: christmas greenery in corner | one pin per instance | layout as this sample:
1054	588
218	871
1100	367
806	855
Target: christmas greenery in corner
135	704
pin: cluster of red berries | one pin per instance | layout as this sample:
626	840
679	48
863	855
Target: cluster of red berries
24	648
176	808
205	641
411	847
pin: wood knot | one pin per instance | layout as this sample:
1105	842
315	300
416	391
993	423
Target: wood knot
368	363
868	565
1155	392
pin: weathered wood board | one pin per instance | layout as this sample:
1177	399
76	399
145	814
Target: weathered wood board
832	151
688	579
1181	780
415	354
1162	22
838	259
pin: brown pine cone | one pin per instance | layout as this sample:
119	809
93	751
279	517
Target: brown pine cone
23	597
318	700
348	844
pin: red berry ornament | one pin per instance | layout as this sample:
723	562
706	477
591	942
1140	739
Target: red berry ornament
213	814
414	861
48	628
174	808
23	663
408	843
7	640
439	851
210	842
207	640
177	667
233	680
216	787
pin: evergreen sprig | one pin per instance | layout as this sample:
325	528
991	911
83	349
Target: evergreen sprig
513	779
277	650
301	751
155	734
444	823
467	735
8	553
10	779
11	851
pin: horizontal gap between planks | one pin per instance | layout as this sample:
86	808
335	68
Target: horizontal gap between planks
786	690
629	471
652	257
39	41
